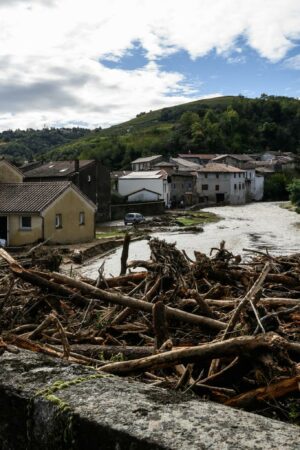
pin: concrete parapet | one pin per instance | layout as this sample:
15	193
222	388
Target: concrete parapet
47	404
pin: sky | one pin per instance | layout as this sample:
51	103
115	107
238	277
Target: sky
95	63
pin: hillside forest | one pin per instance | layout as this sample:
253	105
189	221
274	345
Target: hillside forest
218	125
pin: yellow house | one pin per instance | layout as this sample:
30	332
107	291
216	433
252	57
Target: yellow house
9	173
30	212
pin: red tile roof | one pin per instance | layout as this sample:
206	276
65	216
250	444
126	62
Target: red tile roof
223	168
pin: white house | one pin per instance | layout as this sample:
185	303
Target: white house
254	183
145	186
222	183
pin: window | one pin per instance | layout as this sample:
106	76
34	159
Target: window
58	221
234	175
217	175
25	222
239	186
243	185
217	187
204	187
235	187
81	218
205	175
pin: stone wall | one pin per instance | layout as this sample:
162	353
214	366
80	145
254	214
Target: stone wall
48	404
147	209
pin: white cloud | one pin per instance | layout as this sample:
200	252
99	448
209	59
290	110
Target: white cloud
51	48
293	63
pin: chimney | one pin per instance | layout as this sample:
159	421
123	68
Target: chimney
76	165
76	176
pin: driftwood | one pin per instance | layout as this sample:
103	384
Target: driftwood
231	347
120	299
124	255
227	330
270	392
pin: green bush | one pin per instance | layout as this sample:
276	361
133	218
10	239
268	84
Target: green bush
294	190
276	187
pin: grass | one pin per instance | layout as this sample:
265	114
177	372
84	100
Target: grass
290	207
109	234
197	218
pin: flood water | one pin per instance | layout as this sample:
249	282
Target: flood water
257	226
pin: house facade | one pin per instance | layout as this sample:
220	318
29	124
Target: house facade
90	176
54	211
147	184
183	188
220	183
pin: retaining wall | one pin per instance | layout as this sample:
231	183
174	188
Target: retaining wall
147	209
48	404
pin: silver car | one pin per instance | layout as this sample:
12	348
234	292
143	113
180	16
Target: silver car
133	218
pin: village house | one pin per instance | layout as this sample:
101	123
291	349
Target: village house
168	167
90	176
183	188
30	212
198	158
221	183
145	163
145	186
184	164
233	160
254	179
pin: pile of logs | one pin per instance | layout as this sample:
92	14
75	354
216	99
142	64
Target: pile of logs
225	329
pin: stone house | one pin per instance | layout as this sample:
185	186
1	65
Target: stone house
90	176
183	188
233	160
145	163
198	158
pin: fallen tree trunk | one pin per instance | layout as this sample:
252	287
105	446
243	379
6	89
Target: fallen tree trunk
231	347
125	300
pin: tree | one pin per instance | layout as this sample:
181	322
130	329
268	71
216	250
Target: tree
294	190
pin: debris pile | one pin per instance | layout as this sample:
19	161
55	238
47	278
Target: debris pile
224	329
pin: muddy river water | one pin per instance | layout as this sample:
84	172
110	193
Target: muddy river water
257	226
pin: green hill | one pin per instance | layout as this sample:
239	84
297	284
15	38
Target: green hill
217	125
20	145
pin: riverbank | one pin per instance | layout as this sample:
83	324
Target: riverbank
262	226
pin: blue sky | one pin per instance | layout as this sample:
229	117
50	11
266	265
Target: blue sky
244	72
101	62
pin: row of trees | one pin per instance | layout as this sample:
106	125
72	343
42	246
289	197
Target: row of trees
20	145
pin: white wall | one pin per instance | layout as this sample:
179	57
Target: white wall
259	187
143	196
159	185
230	184
237	189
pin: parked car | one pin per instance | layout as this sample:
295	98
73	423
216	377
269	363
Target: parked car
133	218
